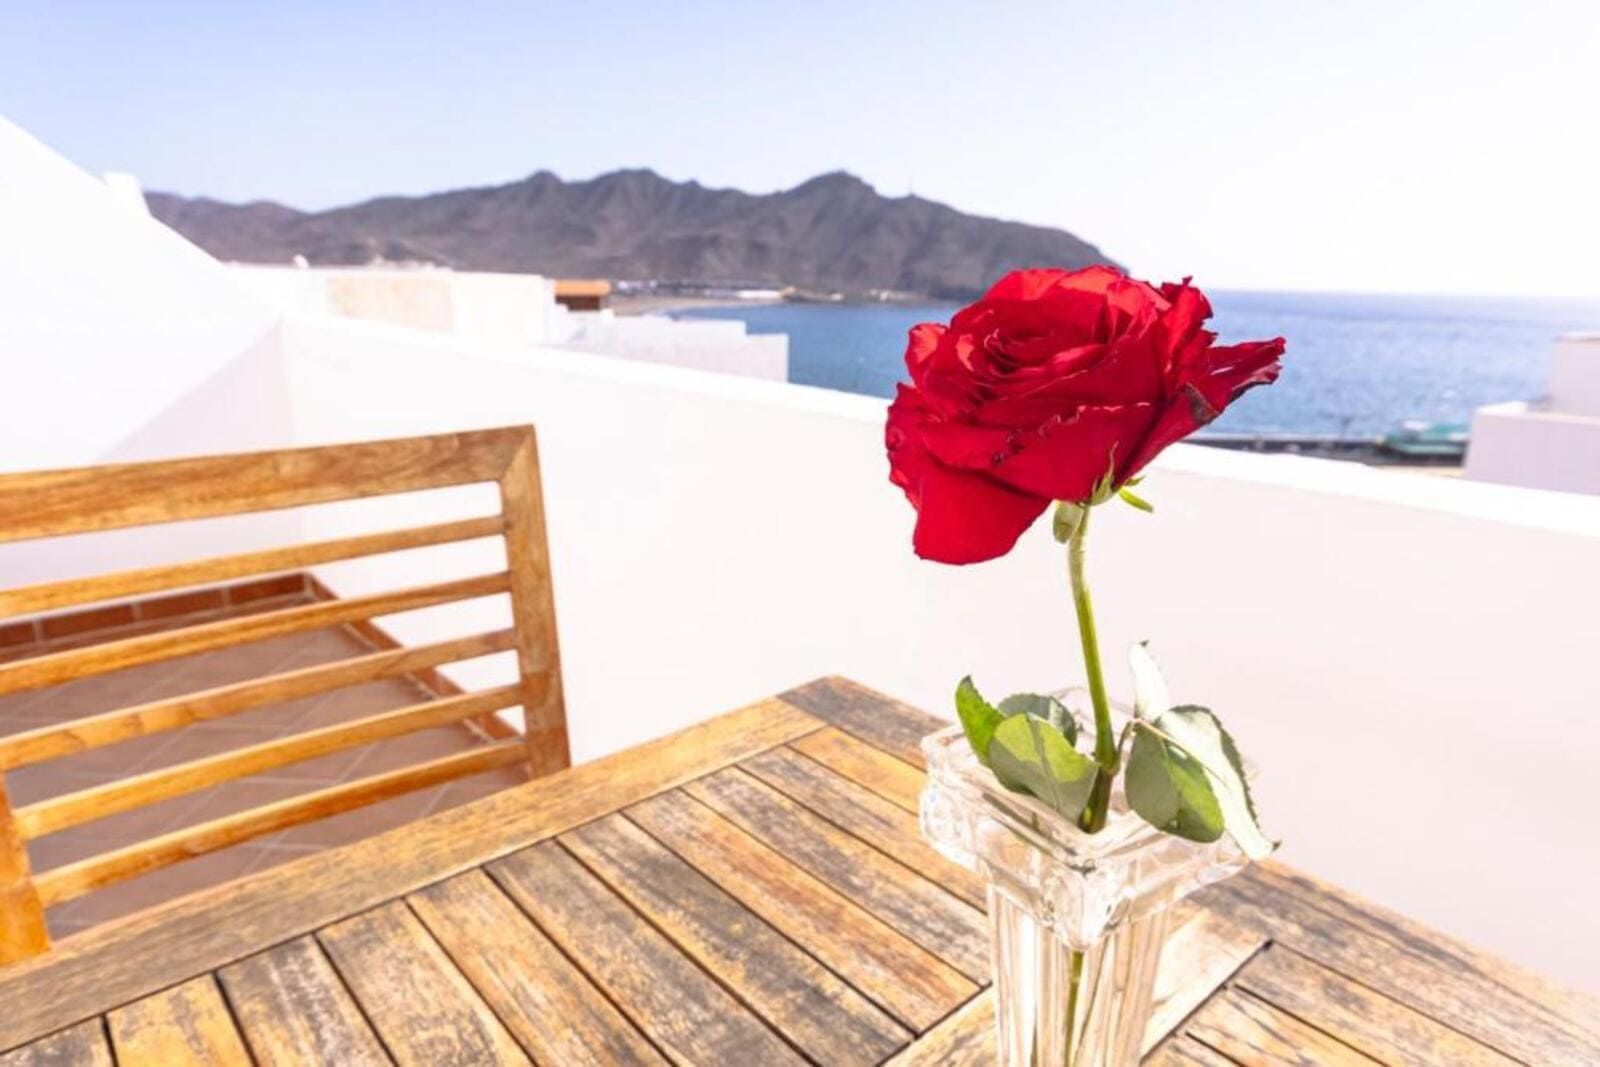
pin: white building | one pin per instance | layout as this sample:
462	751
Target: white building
1552	443
1408	659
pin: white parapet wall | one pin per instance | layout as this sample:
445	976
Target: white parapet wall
1553	443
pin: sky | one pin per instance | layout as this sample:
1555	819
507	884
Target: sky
1406	146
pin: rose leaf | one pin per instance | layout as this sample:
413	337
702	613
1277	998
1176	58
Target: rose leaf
1042	706
1170	791
1150	696
978	718
1200	736
1029	756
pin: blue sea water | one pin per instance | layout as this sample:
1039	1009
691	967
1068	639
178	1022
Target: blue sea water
1357	364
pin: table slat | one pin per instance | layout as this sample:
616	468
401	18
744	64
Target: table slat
927	913
187	1024
293	1009
1423	974
863	813
683	1010
828	1020
1252	1031
552	1008
910	982
424	1009
1360	1017
965	1039
83	1045
885	723
893	779
120	961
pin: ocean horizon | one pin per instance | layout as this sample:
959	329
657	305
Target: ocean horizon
1357	365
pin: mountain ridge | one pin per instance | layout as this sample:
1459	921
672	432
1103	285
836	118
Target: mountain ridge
833	232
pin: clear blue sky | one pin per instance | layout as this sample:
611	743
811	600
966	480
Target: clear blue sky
1399	145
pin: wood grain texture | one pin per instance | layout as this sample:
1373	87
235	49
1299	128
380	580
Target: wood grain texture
75	879
72	809
1364	1019
118	961
690	1017
293	1009
53	668
50	503
922	910
965	1039
893	779
547	1003
534	607
854	808
187	1024
829	1021
124	585
84	1045
910	982
1203	950
1252	1031
423	1007
881	721
1185	1051
22	926
79	735
1459	987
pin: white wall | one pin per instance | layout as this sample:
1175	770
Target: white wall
477	304
1408	658
1575	375
721	345
1519	443
104	312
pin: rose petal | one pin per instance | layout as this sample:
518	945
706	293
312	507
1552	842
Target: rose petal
967	518
1066	460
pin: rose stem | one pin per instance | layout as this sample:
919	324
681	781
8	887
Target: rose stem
1105	745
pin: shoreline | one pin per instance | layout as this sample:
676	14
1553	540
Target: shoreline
666	305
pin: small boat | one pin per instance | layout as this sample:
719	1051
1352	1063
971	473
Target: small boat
1417	439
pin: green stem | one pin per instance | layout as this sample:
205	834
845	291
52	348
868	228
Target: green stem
1105	743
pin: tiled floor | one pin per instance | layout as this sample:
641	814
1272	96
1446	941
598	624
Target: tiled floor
174	677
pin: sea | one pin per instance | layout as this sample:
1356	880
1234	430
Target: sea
1357	365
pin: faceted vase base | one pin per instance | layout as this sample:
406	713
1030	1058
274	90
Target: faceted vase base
1076	920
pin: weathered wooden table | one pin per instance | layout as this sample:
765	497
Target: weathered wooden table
751	891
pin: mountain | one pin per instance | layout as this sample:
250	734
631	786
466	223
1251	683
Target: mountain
833	233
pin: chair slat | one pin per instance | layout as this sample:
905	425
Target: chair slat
51	503
54	596
79	735
56	667
86	805
74	880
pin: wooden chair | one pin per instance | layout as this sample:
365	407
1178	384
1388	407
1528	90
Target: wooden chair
56	503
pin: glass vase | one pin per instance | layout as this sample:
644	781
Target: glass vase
1077	921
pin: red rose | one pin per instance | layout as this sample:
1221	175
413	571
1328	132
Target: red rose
1054	381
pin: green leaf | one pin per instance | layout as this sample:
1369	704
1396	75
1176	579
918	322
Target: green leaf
1028	756
978	718
1150	696
1130	497
1042	706
1067	519
1202	739
1170	791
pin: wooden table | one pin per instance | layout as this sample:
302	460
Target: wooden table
750	891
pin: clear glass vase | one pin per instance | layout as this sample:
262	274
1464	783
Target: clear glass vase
1076	920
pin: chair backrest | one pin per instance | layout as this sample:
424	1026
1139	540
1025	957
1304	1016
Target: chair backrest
56	503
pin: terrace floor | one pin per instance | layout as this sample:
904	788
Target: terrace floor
23	711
